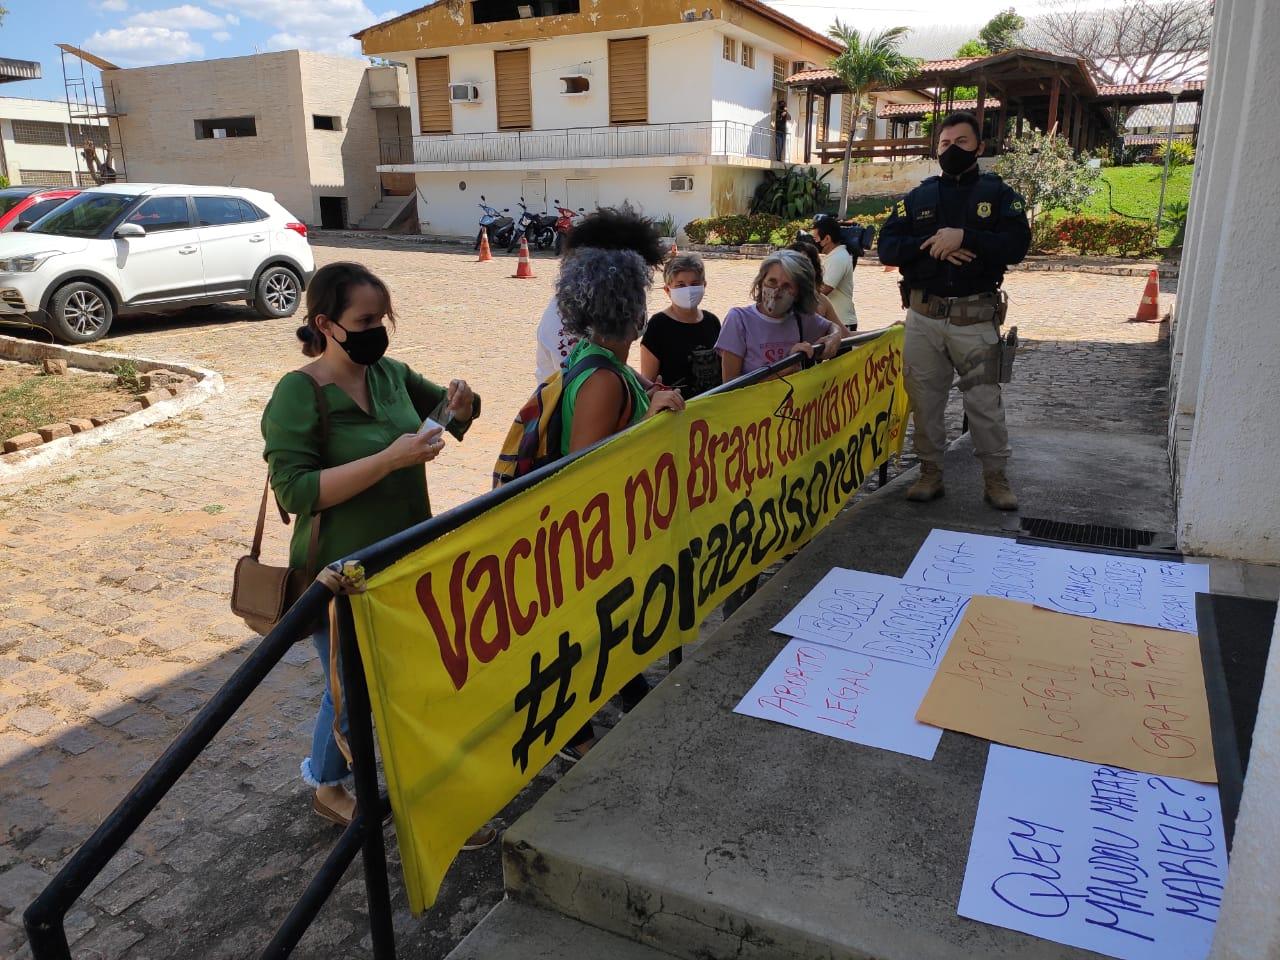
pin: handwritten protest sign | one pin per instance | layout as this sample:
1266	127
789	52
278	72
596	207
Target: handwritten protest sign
879	616
844	694
1152	593
1076	687
1122	863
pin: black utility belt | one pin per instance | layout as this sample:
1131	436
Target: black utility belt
962	311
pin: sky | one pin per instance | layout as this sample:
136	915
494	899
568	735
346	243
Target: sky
141	32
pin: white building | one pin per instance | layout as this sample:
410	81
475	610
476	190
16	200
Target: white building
665	106
40	147
1224	428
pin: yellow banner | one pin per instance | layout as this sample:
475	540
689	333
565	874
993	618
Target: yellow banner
487	649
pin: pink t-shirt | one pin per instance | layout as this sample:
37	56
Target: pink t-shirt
761	340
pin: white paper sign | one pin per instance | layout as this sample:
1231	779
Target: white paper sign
1127	864
879	616
1150	593
847	695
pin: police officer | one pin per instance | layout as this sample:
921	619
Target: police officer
952	237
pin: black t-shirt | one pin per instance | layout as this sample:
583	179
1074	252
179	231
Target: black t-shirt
686	352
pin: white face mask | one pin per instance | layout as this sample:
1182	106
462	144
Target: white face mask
687	297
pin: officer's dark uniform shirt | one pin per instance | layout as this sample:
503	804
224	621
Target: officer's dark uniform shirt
1000	237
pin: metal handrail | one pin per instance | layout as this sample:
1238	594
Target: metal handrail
692	138
45	918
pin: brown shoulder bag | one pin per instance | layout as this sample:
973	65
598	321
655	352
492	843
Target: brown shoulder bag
262	593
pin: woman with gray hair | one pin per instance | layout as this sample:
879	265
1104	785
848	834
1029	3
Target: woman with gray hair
782	321
602	299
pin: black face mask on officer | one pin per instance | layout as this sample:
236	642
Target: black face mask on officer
955	160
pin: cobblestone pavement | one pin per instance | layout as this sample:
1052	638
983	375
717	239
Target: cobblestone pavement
114	625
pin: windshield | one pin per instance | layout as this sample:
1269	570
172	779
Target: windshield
84	216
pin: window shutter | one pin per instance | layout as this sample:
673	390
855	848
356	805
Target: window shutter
434	113
515	96
629	80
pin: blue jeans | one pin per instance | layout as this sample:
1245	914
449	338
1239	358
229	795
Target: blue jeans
326	766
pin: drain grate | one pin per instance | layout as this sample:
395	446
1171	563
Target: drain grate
1089	534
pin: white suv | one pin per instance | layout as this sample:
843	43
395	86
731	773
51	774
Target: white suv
147	248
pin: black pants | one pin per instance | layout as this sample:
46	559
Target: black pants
633	691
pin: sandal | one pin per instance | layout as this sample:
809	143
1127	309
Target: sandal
570	754
481	838
326	812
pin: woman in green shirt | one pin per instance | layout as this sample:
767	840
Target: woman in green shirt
602	298
362	479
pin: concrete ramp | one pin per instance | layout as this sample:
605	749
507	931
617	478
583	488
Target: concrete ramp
710	835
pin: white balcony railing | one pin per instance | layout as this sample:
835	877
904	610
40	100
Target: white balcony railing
699	138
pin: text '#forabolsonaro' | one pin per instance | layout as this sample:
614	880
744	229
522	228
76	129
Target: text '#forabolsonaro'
780	493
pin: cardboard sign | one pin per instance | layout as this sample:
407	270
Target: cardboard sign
1075	687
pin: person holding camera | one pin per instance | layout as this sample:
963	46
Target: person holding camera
836	279
953	237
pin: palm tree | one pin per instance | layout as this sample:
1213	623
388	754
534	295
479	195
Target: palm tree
867	63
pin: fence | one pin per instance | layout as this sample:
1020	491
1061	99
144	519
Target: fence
45	918
699	138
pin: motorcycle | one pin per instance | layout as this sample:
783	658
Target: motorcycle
565	222
495	224
539	228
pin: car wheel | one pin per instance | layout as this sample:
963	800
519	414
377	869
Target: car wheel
277	293
80	313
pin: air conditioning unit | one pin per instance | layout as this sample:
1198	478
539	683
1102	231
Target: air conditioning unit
682	184
464	93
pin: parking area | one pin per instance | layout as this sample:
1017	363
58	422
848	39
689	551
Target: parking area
115	628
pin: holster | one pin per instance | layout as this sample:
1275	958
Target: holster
1008	350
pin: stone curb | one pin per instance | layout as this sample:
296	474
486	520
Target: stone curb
58	441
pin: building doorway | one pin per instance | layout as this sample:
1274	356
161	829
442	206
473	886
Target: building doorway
333	213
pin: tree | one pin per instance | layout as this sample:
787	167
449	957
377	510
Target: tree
1046	172
1001	31
867	63
1141	41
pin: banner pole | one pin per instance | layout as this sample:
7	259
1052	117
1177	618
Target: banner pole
365	773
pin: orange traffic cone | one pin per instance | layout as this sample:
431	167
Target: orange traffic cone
524	269
485	253
1149	305
675	251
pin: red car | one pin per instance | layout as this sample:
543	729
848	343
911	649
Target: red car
26	205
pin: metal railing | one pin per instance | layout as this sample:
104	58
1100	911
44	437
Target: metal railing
697	138
45	918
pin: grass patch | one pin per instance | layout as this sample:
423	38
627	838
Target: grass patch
868	206
1134	192
29	399
213	509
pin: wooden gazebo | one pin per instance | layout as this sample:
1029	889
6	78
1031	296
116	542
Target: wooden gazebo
1014	88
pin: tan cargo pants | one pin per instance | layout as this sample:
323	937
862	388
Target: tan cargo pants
935	351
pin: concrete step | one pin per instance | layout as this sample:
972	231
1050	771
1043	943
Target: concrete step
384	213
517	931
712	835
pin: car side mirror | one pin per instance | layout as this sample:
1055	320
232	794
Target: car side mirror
129	231
482	199
21	225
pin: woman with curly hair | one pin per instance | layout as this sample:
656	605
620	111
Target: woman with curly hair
602	299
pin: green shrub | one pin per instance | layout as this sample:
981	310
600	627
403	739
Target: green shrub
795	192
1181	152
1044	236
734	230
1100	235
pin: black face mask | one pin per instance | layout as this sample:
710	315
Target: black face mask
955	160
365	347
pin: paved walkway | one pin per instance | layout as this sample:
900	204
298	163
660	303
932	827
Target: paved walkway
114	625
